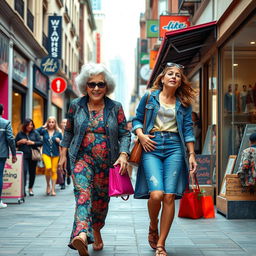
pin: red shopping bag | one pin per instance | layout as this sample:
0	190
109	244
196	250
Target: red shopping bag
191	203
208	207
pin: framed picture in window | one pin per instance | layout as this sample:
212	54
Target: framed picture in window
229	170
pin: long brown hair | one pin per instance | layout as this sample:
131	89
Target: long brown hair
185	92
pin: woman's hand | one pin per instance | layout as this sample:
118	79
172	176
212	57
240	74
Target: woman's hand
122	161
147	144
62	165
57	140
192	164
22	141
30	142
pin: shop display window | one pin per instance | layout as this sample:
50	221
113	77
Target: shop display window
238	105
17	100
38	110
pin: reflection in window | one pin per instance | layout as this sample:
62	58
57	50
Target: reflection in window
38	110
239	88
16	112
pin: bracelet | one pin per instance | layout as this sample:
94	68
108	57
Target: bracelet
191	153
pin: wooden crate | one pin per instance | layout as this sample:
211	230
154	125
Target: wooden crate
235	191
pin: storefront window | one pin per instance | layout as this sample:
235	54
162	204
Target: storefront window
212	113
238	89
38	110
17	99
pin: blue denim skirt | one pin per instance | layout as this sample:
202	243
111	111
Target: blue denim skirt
164	165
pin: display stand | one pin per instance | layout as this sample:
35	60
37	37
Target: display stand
235	201
13	188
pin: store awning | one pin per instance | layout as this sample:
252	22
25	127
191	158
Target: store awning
184	46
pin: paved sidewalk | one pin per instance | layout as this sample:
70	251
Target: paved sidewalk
42	225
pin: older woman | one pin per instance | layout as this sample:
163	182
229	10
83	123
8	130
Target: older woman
167	139
97	138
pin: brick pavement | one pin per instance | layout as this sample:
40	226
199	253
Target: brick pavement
42	225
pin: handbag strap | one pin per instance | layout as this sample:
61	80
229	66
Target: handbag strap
144	121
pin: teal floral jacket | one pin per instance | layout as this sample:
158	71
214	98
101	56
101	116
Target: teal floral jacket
246	170
118	136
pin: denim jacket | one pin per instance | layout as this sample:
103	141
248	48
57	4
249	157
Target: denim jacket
118	137
50	145
6	138
185	130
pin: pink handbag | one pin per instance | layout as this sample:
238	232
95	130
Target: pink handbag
119	185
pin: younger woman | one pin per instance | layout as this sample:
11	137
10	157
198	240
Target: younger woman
51	140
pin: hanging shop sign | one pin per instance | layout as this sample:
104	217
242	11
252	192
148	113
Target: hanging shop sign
41	82
4	53
152	28
20	68
54	36
169	23
58	85
49	65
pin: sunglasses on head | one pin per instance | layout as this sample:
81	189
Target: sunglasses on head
172	64
92	85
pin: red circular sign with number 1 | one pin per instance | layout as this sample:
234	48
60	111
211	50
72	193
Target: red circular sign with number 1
58	85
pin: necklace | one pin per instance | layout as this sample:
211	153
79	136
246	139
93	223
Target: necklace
95	107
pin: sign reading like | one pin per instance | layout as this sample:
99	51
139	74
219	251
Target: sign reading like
169	23
58	85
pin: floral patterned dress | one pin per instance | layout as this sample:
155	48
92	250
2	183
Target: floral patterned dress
90	177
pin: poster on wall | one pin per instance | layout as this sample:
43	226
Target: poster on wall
13	179
20	68
4	53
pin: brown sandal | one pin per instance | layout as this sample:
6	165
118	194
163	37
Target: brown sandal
153	237
160	251
79	244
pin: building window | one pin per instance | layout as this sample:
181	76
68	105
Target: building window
162	7
18	102
38	110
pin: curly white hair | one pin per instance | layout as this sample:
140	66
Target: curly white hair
91	69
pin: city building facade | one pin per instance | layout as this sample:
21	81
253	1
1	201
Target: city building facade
24	43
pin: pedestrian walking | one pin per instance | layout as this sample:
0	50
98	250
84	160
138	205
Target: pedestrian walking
97	138
67	171
26	140
167	140
7	142
52	136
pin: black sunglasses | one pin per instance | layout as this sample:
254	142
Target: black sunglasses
92	85
172	64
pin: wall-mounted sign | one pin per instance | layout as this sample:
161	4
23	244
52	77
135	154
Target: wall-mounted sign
49	65
54	36
152	60
41	81
152	28
4	53
145	72
144	58
58	85
20	68
169	23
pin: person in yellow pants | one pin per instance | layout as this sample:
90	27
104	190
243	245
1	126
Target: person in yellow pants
52	136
